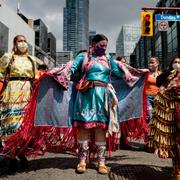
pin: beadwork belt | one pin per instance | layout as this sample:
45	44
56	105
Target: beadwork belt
20	79
99	83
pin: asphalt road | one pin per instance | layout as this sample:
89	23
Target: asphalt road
123	165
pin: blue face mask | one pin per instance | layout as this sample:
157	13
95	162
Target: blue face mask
100	51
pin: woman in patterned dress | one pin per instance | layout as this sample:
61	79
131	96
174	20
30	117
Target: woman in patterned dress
62	118
165	124
18	70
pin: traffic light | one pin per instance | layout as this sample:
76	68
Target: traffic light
147	23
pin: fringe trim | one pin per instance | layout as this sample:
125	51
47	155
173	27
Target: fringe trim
162	136
36	140
137	128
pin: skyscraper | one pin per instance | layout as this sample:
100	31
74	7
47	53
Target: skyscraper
41	34
91	35
127	39
51	45
76	25
63	57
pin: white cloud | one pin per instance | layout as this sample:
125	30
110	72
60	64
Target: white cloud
106	16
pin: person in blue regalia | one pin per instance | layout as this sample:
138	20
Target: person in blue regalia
91	108
85	114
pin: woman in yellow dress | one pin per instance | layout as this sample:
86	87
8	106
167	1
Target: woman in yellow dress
18	71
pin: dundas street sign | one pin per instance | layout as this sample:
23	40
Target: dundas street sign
167	17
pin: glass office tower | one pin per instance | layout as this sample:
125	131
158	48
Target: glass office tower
76	25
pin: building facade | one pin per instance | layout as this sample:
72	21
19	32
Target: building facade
41	34
12	25
51	45
164	44
76	25
139	53
127	39
63	57
113	55
91	35
45	44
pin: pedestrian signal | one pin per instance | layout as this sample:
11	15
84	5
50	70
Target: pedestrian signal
147	23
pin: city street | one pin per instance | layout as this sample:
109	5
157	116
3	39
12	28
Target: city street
80	73
124	165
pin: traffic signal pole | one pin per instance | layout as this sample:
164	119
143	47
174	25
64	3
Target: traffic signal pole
163	33
147	23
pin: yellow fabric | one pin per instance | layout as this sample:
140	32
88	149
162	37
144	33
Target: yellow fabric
12	119
21	67
17	93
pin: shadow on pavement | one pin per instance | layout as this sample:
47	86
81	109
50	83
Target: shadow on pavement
118	158
44	163
139	172
53	162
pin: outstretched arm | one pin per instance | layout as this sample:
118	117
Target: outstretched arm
116	70
77	63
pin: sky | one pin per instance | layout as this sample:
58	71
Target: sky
105	16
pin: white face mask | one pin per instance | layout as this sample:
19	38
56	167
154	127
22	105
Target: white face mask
176	66
22	46
153	65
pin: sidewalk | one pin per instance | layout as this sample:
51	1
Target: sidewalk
124	165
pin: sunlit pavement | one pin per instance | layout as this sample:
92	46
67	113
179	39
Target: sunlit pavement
123	165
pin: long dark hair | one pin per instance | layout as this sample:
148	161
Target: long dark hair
162	78
171	63
99	37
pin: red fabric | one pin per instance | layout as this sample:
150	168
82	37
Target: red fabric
137	128
33	140
90	125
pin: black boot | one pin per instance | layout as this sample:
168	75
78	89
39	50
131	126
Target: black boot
12	166
23	162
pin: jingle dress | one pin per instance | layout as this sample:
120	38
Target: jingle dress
17	92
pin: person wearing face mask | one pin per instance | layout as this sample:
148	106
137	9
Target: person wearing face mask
18	70
93	116
176	64
161	79
86	117
151	88
164	135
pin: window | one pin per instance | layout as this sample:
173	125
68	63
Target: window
4	32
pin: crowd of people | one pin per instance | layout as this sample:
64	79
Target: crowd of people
164	134
95	91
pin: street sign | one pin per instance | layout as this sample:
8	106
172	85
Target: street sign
167	17
163	25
